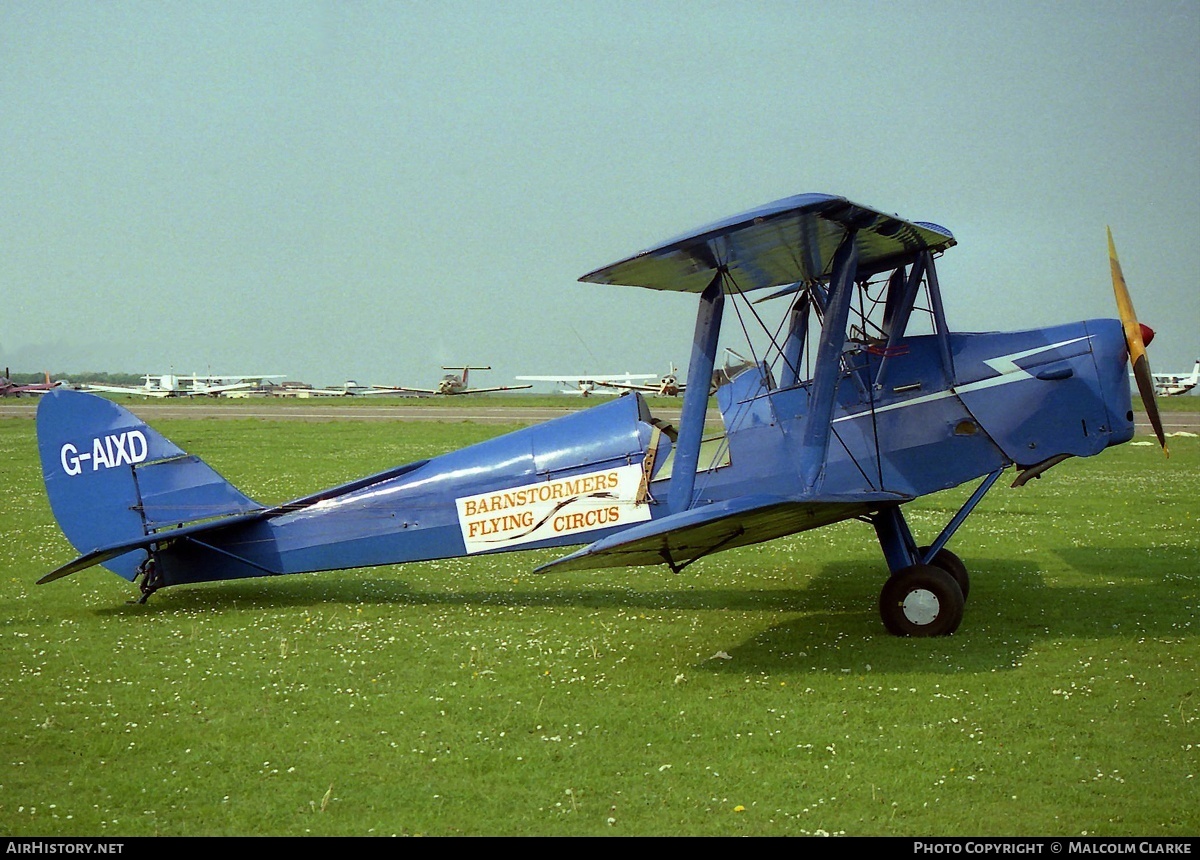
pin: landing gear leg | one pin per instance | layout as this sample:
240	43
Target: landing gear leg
151	578
916	600
925	594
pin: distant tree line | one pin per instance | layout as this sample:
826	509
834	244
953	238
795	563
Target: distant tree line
85	376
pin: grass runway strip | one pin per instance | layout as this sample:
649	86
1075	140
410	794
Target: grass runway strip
756	693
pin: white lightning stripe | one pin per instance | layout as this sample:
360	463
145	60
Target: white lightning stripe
1004	365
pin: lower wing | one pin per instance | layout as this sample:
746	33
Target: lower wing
677	540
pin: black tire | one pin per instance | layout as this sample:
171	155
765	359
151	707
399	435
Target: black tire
922	600
953	565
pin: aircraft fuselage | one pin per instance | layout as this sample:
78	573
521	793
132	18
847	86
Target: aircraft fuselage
1015	398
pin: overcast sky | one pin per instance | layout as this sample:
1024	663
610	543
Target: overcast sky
372	190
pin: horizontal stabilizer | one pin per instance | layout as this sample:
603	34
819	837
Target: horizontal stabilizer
107	553
85	561
679	539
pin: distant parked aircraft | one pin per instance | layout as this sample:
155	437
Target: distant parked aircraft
1172	384
588	384
669	385
170	385
213	386
8	388
450	384
349	388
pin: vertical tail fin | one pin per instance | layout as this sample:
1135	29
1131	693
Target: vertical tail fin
112	480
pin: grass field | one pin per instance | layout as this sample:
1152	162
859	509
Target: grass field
754	694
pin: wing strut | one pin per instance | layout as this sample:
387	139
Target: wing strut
959	518
896	540
897	323
793	347
939	318
829	358
695	397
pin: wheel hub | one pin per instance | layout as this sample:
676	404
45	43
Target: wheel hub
921	606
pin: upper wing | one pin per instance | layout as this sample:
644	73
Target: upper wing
569	379
237	377
139	390
626	386
790	240
497	388
340	392
391	389
679	539
203	388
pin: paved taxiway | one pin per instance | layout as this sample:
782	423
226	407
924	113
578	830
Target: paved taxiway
1173	422
289	412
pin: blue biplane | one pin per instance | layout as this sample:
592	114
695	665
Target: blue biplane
863	401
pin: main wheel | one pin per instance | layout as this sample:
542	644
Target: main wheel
922	600
953	565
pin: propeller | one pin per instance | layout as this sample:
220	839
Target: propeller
1137	336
